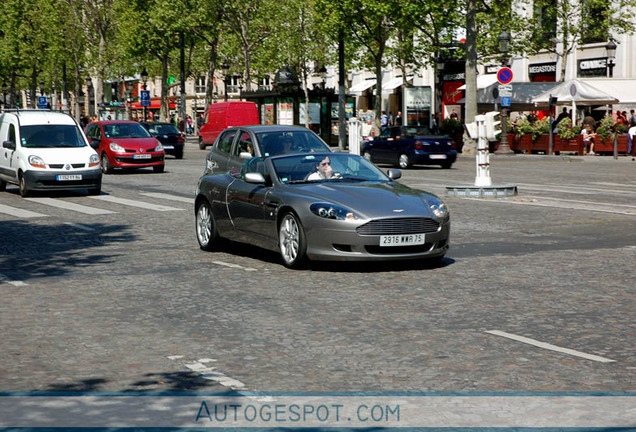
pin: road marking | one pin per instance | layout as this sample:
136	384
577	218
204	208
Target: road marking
571	205
79	226
5	278
12	211
210	373
221	263
69	206
134	203
550	346
169	197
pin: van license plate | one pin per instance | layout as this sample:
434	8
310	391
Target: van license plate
66	177
402	240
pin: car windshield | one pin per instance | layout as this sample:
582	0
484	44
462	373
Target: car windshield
50	135
163	129
125	130
301	141
343	167
411	131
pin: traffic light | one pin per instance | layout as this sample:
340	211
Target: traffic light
493	125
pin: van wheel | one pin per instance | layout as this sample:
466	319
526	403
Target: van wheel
201	145
106	168
24	190
95	191
3	185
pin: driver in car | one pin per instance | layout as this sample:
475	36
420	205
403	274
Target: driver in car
324	171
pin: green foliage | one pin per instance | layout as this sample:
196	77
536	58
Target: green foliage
522	127
621	129
451	127
564	129
577	129
606	126
540	127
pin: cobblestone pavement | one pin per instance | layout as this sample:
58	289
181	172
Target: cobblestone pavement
126	301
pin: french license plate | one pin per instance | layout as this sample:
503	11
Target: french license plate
402	240
66	177
142	156
438	156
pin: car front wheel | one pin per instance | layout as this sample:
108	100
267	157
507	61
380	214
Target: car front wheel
404	161
206	230
292	243
158	168
106	168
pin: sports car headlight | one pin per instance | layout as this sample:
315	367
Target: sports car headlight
37	161
332	211
438	208
116	148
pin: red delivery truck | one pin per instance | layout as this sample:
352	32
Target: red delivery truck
222	115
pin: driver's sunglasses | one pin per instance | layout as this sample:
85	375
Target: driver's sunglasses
325	163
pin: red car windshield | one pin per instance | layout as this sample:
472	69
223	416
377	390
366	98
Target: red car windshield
125	130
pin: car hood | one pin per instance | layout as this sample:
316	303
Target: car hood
135	143
63	155
373	199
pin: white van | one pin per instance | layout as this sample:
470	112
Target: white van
46	150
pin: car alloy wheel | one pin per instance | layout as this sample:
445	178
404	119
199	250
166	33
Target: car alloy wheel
206	231
291	238
404	161
106	168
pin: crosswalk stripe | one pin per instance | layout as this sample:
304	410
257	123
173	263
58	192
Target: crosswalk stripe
19	212
133	203
169	197
70	206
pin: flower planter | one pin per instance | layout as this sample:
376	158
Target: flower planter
572	145
606	146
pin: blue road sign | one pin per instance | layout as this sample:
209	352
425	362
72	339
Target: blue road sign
505	101
42	102
504	75
144	98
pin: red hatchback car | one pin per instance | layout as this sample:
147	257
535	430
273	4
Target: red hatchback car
125	144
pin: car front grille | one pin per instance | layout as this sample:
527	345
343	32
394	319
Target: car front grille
131	160
399	226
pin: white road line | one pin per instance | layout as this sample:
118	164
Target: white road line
70	206
5	278
169	197
550	346
210	373
221	263
12	211
79	226
133	203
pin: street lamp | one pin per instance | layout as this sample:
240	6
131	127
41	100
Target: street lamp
504	147
226	68
322	72
87	98
611	55
144	79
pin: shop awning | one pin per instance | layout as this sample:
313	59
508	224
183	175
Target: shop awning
575	92
391	84
624	90
483	81
362	86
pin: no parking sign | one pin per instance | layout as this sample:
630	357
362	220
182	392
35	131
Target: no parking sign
504	75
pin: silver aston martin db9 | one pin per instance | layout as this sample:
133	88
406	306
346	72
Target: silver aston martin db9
321	206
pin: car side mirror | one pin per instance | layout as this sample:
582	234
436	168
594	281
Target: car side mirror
9	145
95	143
255	177
245	155
394	174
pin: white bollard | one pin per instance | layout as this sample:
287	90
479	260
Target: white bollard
483	156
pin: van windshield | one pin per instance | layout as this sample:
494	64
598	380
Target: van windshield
52	136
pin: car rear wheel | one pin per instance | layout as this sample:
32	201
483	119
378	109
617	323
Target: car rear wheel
178	154
291	239
404	161
106	168
24	190
206	230
447	165
158	168
367	156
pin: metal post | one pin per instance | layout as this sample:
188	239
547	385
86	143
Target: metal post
182	110
483	157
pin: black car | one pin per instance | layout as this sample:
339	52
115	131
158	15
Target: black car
169	136
410	145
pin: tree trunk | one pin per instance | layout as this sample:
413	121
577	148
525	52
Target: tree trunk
470	73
